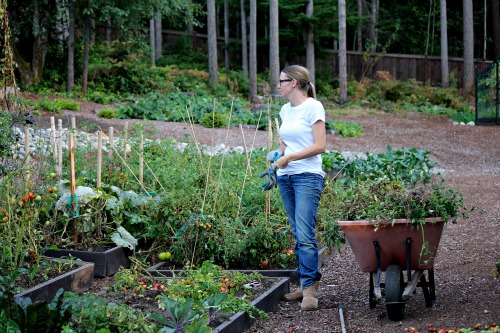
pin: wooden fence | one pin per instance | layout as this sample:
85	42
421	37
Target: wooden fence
402	67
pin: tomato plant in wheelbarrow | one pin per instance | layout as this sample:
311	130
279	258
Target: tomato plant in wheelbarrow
392	209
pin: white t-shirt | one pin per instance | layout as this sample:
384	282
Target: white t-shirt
296	133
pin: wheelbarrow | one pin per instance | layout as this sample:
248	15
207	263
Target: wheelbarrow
394	247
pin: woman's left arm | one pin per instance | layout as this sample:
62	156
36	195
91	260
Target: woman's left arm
318	147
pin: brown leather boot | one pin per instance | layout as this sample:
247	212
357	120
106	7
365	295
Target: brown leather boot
310	300
293	296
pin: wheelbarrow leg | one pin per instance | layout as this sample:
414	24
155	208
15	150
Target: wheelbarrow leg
428	289
375	291
432	287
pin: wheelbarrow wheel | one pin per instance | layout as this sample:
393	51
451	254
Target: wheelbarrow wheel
394	286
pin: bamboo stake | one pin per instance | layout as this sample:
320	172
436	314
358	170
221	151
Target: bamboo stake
72	177
145	163
249	169
59	154
111	142
141	161
72	183
27	150
99	157
223	155
125	141
53	138
269	147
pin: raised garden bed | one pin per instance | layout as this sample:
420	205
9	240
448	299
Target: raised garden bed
241	321
164	269
77	280
107	262
266	297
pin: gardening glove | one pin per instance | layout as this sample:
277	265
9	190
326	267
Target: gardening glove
271	181
273	155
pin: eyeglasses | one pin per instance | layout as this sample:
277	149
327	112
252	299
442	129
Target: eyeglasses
287	80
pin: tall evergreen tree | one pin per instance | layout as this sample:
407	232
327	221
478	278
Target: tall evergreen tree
468	71
213	72
274	61
445	76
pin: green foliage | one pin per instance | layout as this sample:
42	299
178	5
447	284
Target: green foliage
345	128
23	316
390	185
107	113
57	105
6	137
91	313
214	120
181	316
412	95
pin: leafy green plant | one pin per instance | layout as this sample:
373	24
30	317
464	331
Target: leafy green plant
21	315
345	128
57	105
182	318
107	113
216	120
91	314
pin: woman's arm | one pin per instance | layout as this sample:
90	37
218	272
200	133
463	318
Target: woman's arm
318	147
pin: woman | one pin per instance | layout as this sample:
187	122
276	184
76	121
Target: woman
299	175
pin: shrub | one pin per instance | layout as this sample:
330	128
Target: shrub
107	113
216	120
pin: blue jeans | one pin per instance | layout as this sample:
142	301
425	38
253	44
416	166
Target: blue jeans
300	194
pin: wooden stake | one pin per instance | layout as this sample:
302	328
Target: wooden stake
99	157
59	154
73	123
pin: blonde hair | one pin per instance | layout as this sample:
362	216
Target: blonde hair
301	75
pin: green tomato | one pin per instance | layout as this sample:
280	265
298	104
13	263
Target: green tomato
38	198
53	175
55	189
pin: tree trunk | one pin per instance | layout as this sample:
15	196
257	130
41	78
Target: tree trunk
495	18
244	42
213	72
23	67
39	43
108	31
373	27
226	35
310	55
360	27
445	76
253	50
468	74
152	41
274	45
86	47
71	47
158	36
190	27
342	53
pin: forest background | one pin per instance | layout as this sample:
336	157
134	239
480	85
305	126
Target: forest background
73	45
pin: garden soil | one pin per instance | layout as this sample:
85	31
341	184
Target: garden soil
467	292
